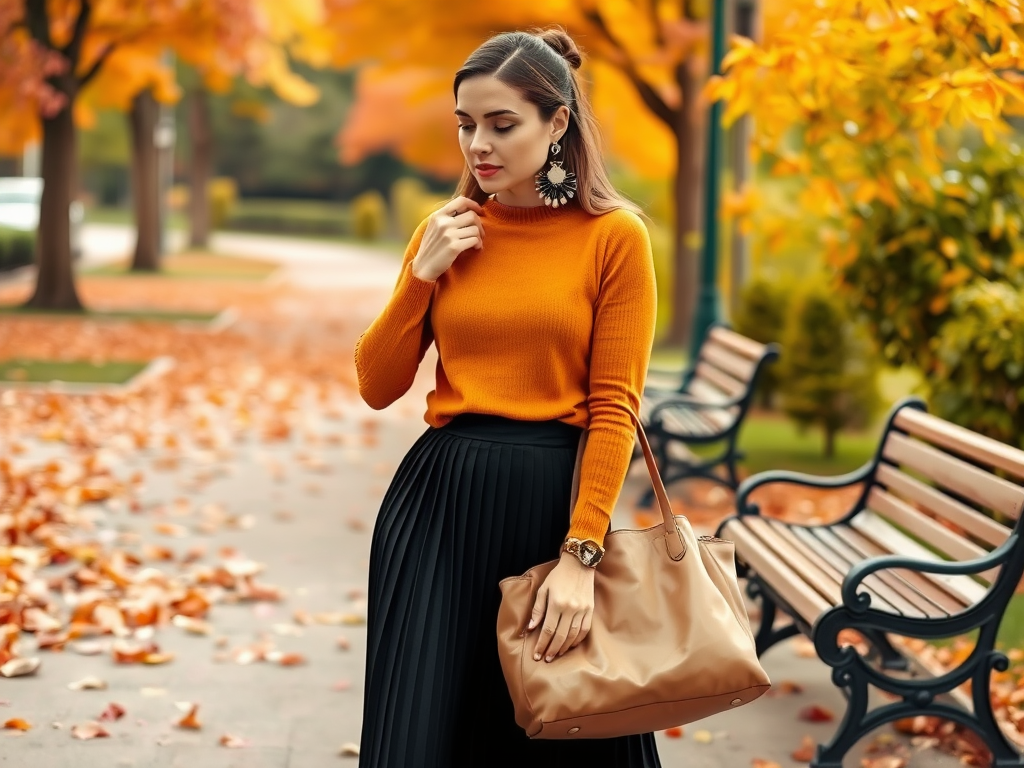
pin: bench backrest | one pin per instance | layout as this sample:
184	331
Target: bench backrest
941	491
727	366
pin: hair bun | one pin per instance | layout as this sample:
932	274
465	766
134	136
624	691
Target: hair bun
564	45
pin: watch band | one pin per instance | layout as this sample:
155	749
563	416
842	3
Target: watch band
586	551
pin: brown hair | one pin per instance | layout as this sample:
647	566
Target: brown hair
542	65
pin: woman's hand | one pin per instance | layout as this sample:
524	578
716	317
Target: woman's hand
564	608
446	236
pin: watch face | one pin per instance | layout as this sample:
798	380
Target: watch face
589	553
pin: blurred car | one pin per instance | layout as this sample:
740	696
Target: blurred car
20	197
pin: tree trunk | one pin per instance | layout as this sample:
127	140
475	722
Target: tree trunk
145	183
687	189
55	279
201	137
830	442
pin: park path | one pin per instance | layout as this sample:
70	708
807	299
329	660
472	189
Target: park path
304	508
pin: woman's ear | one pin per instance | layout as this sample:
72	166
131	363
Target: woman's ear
559	122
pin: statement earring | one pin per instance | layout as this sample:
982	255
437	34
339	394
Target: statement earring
556	186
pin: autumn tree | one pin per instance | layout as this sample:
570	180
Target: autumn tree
646	66
79	54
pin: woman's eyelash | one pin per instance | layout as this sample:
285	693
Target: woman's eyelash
503	129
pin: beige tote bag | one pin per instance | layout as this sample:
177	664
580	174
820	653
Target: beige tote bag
670	641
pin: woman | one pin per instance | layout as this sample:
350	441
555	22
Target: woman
541	305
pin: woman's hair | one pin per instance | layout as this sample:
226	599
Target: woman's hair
542	65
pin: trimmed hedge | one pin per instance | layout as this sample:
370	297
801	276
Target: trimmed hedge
17	248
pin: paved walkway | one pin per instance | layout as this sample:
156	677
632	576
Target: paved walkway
309	505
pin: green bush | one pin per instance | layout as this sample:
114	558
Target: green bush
979	376
369	215
828	369
761	315
17	248
284	216
223	196
907	263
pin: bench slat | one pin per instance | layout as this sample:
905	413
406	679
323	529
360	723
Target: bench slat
964	441
799	562
929	597
721	380
882	533
685	421
738	367
741	345
960	477
794	590
939	536
913	490
882	593
704	390
933	590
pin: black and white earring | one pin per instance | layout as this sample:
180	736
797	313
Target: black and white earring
556	186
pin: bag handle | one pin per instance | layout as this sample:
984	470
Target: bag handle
652	468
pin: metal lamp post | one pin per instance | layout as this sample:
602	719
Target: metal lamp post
708	308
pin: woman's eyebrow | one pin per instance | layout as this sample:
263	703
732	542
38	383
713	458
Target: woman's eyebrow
495	113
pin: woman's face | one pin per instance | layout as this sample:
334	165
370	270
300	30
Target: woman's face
500	129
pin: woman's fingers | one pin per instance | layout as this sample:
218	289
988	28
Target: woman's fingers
584	628
575	625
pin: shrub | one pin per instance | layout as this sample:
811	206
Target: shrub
761	315
223	194
906	264
828	370
369	215
17	248
979	375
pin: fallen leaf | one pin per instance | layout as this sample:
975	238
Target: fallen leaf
88	684
814	713
343	643
233	742
192	625
90	730
806	751
190	720
112	712
17	724
703	737
674	733
20	667
349	750
759	762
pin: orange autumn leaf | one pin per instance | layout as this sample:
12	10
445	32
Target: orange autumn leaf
815	713
190	720
674	733
17	724
805	752
112	712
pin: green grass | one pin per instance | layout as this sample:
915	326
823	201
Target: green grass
115	215
77	371
772	442
148	315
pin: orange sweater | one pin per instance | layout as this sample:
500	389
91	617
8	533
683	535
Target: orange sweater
552	319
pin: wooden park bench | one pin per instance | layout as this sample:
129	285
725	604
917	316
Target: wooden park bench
931	549
707	409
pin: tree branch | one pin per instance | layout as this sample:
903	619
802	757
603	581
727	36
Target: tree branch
650	97
96	65
74	47
38	22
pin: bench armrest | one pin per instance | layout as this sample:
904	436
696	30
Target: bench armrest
858	603
744	507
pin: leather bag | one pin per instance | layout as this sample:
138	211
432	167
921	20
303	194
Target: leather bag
670	641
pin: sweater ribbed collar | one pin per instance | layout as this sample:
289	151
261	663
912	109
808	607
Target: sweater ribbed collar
518	215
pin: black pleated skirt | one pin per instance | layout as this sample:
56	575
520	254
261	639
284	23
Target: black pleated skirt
479	499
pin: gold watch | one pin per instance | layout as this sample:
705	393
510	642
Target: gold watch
587	552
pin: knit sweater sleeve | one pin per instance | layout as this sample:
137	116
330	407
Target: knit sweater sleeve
389	352
623	333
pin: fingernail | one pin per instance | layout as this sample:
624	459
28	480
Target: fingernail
536	657
549	658
532	623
